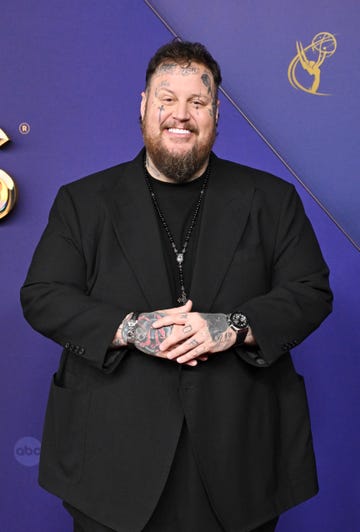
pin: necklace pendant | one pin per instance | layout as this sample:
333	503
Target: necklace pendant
183	298
180	258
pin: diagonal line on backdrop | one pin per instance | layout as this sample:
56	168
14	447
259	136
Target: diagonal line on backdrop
263	138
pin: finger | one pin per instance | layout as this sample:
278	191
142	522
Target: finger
203	358
178	318
175	338
190	355
182	340
191	363
196	348
180	334
175	310
171	319
179	341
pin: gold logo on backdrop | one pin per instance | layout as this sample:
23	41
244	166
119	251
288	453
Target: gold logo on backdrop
8	192
3	138
311	59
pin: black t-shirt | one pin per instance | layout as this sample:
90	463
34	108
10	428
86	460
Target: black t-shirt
177	202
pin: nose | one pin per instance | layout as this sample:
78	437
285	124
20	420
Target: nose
181	111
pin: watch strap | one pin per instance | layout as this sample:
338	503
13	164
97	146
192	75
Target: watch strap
240	337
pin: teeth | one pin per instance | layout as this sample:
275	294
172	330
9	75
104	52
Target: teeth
177	130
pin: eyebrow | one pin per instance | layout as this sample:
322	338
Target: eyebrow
193	95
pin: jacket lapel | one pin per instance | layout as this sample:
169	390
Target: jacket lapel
137	230
226	210
225	213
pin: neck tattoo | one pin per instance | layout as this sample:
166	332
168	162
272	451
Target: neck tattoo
179	255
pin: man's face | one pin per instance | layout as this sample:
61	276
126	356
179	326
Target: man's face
179	112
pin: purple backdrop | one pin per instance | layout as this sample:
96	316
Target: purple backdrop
255	42
73	71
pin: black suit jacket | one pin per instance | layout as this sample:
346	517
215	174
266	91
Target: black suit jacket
113	418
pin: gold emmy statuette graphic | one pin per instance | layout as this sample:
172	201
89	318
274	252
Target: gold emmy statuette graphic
3	138
7	194
311	59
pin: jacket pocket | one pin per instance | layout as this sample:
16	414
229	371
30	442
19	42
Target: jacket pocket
64	437
296	437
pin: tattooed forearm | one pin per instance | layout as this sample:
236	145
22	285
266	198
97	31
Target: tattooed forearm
118	340
217	325
225	337
148	339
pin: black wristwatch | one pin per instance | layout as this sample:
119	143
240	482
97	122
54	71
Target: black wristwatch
238	322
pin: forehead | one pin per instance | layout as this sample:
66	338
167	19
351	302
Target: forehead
182	75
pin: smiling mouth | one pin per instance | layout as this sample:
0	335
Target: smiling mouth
179	131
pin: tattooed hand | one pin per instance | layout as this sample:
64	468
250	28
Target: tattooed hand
194	334
148	338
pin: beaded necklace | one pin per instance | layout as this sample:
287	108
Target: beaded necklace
179	255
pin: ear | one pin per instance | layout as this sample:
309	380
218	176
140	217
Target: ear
143	104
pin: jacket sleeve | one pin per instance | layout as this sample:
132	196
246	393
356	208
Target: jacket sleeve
300	297
54	296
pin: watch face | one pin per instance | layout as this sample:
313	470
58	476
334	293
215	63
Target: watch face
239	320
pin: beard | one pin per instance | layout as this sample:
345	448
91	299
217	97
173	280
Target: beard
180	167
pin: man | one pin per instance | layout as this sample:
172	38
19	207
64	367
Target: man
176	284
